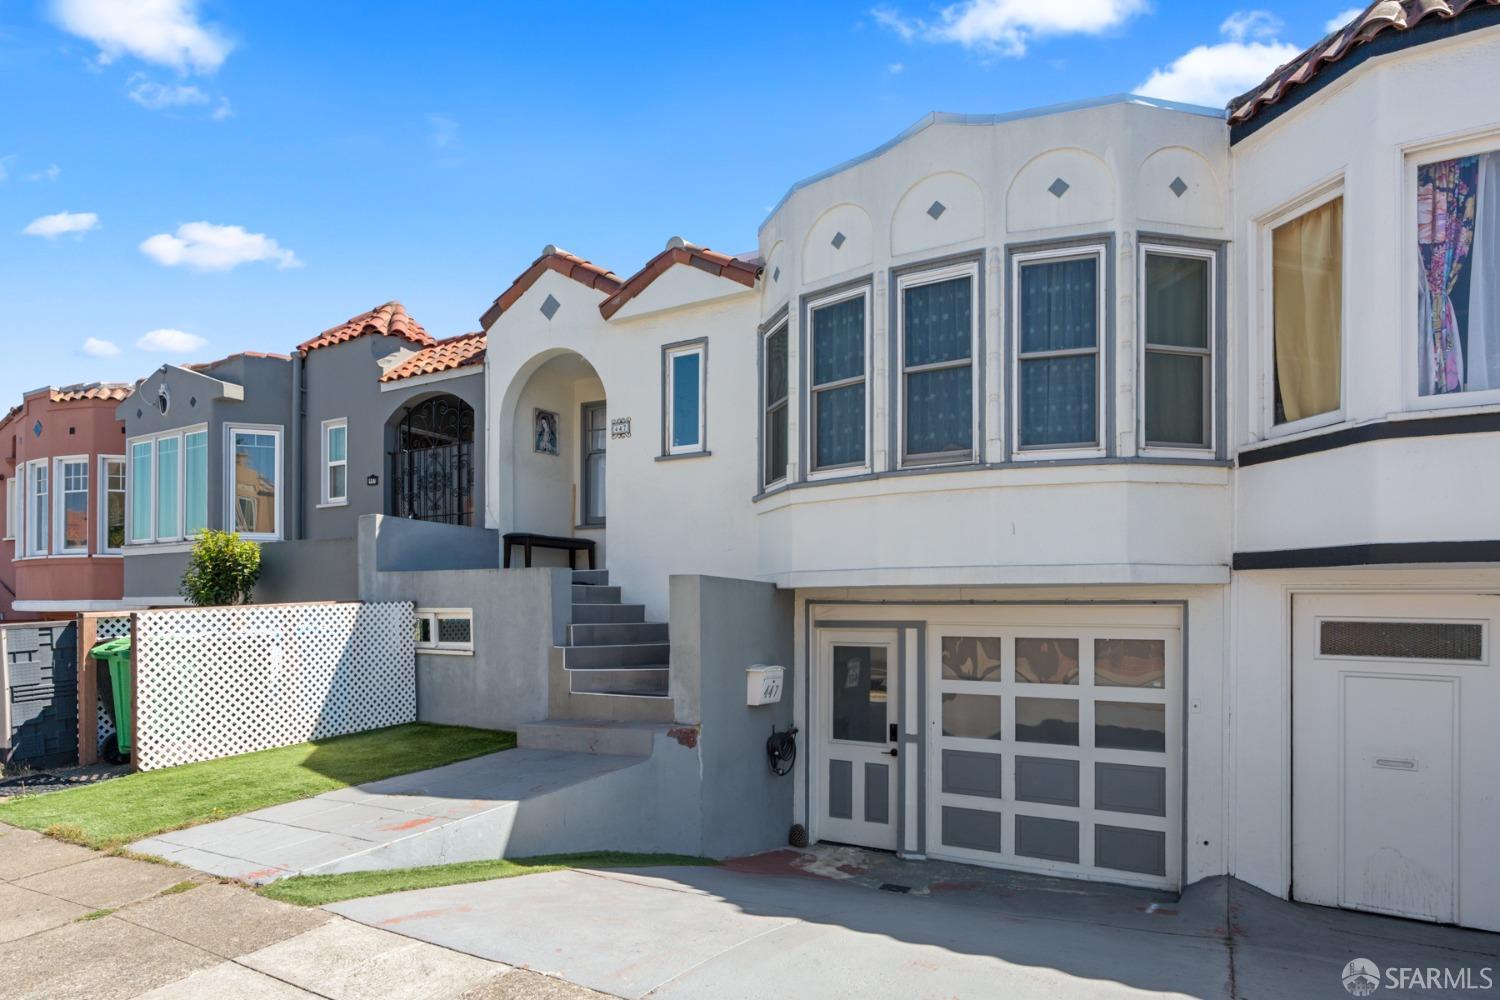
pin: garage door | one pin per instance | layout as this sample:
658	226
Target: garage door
1055	742
1395	757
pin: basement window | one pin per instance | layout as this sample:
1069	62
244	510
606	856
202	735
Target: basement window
445	630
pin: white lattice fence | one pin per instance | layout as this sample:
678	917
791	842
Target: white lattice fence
215	682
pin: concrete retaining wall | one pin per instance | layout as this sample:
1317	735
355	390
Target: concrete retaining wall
321	570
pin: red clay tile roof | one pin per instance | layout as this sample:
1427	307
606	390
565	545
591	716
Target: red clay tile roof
454	352
200	366
91	390
390	319
679	251
1376	19
565	264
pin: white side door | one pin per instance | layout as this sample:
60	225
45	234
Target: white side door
858	715
1395	757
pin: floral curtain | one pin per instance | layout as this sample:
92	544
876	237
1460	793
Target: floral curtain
1446	199
839	354
938	325
1059	312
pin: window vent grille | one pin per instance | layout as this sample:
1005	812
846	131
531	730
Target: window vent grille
1402	640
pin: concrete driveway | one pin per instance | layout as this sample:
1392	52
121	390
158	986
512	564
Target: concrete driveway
846	923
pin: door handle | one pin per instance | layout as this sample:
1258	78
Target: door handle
892	752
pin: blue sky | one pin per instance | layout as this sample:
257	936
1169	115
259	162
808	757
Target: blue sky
184	180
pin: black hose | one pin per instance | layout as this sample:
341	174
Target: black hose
781	748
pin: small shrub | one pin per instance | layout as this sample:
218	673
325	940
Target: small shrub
222	569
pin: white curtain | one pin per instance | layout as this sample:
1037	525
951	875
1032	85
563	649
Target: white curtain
1484	281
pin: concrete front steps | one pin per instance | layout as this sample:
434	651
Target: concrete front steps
615	664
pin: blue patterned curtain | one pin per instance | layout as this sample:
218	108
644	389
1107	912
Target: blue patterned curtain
841	426
938	325
838	354
1059	311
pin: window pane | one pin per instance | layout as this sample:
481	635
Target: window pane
422	629
195	476
75	512
1307	293
1122	725
971	658
1058	401
776	366
337	443
41	518
972	716
255	482
686	369
1177	301
140	491
938	322
1059	305
1047	720
594	499
1047	661
840	415
168	453
1174	398
1458	245
859	693
114	502
777	454
839	341
940	411
1138	663
454	630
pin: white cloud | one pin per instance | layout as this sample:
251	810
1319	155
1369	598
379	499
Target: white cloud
164	32
895	69
170	342
153	95
62	224
1212	74
1341	19
1006	27
52	173
96	348
443	131
223	111
204	246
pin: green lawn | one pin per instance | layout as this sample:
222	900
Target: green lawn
316	890
122	810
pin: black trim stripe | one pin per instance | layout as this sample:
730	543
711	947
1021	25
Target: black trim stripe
1373	554
1386	430
1430	30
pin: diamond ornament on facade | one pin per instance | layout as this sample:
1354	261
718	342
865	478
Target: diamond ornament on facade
1179	186
936	209
550	307
838	240
1058	188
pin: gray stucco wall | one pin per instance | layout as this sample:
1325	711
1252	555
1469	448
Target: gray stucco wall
343	381
719	627
196	398
324	569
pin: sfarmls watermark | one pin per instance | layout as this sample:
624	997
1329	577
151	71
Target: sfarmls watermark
1363	977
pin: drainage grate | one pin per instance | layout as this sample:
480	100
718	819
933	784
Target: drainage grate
893	887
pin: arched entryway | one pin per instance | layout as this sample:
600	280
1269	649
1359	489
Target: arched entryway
432	461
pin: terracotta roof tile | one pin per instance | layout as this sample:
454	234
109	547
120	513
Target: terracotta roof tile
200	366
454	352
391	319
91	390
564	263
1376	19
679	251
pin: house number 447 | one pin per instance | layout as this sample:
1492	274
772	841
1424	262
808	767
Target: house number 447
619	427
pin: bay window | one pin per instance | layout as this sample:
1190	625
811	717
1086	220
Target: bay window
112	487
1458	275
12	505
72	528
936	332
1307	291
1059	310
336	461
838	394
38	515
684	376
254	481
1177	358
774	400
166	493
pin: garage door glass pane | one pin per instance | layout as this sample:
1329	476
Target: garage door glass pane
1120	725
1138	663
1047	661
859	693
971	659
1047	720
972	716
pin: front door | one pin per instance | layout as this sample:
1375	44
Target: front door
1393	754
858	721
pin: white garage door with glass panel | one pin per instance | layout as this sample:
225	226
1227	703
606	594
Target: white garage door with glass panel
1056	748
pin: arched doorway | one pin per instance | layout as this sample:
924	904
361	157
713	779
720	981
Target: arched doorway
432	464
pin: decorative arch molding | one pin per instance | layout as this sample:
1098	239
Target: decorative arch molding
1178	185
939	210
840	240
1061	188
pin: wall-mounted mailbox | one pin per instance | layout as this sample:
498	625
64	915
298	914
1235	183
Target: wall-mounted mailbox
763	684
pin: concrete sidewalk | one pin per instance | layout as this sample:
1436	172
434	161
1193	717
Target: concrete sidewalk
78	924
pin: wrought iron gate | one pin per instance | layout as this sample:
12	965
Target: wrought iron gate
432	468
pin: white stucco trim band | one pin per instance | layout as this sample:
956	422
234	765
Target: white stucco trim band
1082	575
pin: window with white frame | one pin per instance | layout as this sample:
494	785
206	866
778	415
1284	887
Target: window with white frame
1178	343
336	461
1059	312
12	505
254	481
194	482
685	379
112	486
166	489
1307	323
138	497
169	487
936	331
838	390
776	402
445	630
38	513
71	530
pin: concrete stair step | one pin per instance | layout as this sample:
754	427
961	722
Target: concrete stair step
643	681
627	739
616	634
591	577
600	614
649	654
590	594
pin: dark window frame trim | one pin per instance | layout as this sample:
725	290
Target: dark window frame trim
781	317
1451	424
831	295
583	464
1370	554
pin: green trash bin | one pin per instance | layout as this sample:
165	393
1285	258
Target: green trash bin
116	653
